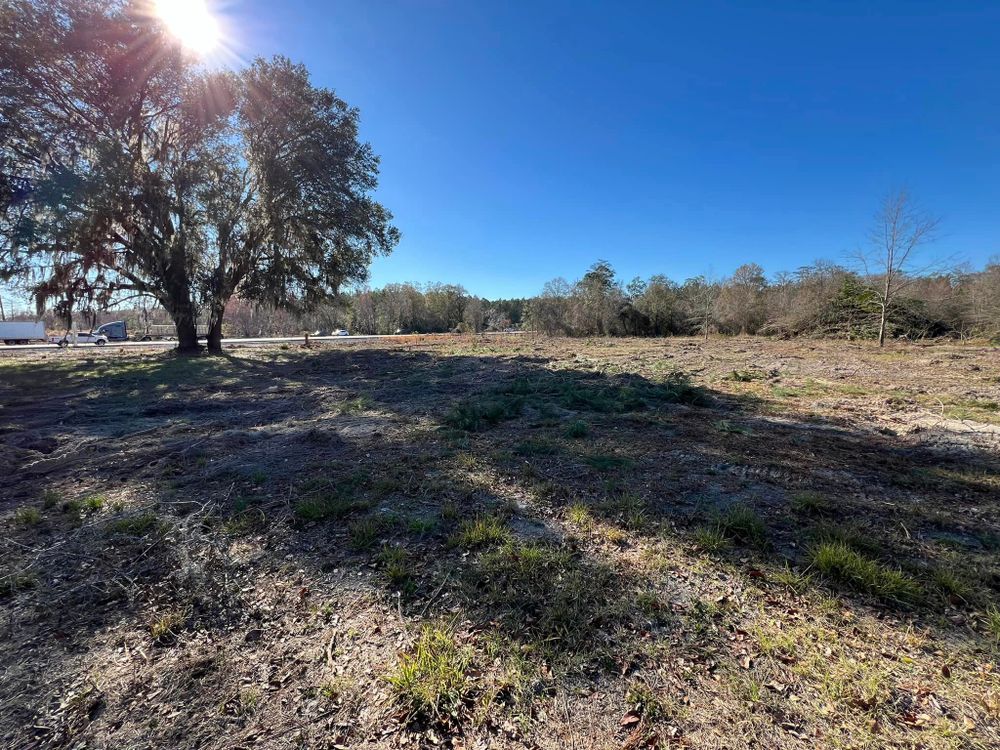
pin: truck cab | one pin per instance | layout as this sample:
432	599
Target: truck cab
115	331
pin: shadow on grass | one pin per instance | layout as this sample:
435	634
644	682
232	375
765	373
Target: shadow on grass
383	462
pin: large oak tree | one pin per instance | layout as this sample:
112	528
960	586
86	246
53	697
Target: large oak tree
128	170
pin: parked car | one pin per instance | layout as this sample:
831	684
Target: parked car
90	337
340	332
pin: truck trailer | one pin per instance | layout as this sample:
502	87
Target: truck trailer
116	330
19	332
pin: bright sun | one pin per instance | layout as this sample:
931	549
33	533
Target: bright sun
191	22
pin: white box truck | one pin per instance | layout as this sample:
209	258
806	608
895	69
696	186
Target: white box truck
20	332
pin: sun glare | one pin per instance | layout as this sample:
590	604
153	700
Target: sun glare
191	22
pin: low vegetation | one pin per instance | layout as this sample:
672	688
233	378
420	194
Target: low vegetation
503	543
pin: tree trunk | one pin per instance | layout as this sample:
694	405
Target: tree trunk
185	322
187	335
881	327
215	332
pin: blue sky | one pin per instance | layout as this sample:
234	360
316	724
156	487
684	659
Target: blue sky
524	140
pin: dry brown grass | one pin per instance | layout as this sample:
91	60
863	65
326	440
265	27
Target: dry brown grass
510	542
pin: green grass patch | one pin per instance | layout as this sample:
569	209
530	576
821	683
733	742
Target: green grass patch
953	585
793	580
431	681
991	622
139	525
745	376
12	583
51	498
397	564
547	592
363	532
575	391
577	429
743	525
27	516
355	405
580	515
724	425
605	462
536	447
628	509
483	413
839	562
710	538
166	627
481	531
326	500
848	534
811	504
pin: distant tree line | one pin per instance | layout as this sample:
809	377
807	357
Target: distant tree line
822	299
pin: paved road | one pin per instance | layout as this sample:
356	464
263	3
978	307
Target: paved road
232	343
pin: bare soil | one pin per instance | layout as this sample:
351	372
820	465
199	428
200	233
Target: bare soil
506	543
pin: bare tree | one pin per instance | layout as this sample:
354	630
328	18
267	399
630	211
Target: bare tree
898	230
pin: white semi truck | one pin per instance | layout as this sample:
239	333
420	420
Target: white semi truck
19	332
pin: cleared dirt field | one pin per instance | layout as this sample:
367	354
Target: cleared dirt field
507	543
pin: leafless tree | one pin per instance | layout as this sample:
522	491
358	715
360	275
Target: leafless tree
899	229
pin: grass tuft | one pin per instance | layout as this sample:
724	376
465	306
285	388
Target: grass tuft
139	525
607	462
710	538
536	447
579	515
167	626
27	516
742	524
431	681
363	533
397	566
991	621
839	562
547	592
480	532
474	416
811	504
331	503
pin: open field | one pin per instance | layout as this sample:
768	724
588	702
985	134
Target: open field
504	543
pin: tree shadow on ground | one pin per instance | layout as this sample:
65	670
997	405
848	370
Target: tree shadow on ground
496	496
